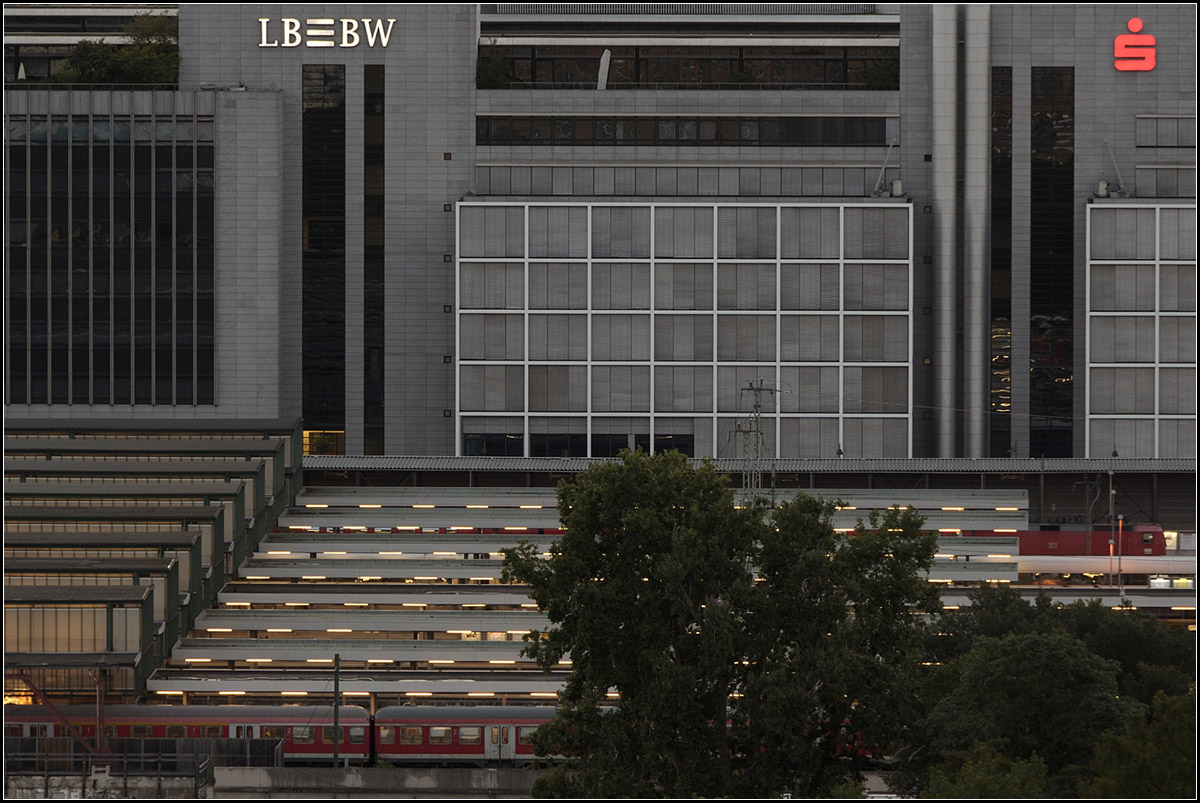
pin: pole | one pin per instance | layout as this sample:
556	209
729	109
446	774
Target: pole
1112	524
337	660
1120	551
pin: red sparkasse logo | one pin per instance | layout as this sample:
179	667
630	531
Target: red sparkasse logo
1134	51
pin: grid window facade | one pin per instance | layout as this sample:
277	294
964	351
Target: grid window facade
109	264
587	328
1141	303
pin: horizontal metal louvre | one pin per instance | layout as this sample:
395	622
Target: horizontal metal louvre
1177	232
887	437
748	338
683	337
815	287
809	338
492	231
1176	438
746	232
876	233
620	388
683	232
876	338
620	337
746	287
620	286
1177	391
1122	391
881	287
1122	287
620	232
558	388
1122	233
683	388
492	388
494	285
810	389
1177	340
682	287
809	437
810	233
871	389
732	379
558	231
1178	288
492	337
1122	339
558	337
557	285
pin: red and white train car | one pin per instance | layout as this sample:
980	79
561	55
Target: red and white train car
307	731
483	735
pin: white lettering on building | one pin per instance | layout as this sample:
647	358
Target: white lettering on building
325	32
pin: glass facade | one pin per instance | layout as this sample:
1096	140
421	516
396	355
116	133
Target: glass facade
110	260
1000	354
373	259
689	67
1052	262
324	248
681	131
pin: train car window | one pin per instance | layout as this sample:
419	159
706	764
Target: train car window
11	731
274	732
327	734
176	731
358	734
211	731
470	734
440	735
410	734
302	734
525	735
110	731
387	734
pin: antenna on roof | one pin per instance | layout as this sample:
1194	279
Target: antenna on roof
878	191
1121	192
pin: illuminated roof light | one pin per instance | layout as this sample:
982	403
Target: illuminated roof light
418	694
499	661
950	607
294	693
219	629
481	694
381	661
566	661
258	577
458	528
238	604
318	660
197	660
316	505
944	555
517	632
414	604
543	694
391	553
427	578
477	507
528	604
1004	530
298	527
446	554
954	508
1001	556
258	660
232	693
278	552
356	604
279	630
613	694
1008	508
296	604
949	530
440	661
460	632
356	694
312	577
364	578
424	507
531	507
338	630
1183	607
370	506
165	691
331	552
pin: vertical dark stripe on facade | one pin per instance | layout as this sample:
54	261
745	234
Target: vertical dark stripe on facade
1000	380
373	284
105	214
1051	261
324	253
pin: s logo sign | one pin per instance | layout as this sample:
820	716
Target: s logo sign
1134	51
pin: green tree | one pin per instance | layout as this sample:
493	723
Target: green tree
1043	694
149	55
729	683
983	772
1153	757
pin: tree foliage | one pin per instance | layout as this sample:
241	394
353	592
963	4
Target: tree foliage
752	649
1155	756
149	55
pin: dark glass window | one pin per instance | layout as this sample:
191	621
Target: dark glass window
373	259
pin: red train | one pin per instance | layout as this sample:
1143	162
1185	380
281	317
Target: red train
1141	539
483	735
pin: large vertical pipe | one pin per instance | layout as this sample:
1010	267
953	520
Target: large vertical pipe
977	60
945	210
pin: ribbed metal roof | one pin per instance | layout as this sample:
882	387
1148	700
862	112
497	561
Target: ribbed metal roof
680	9
922	465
